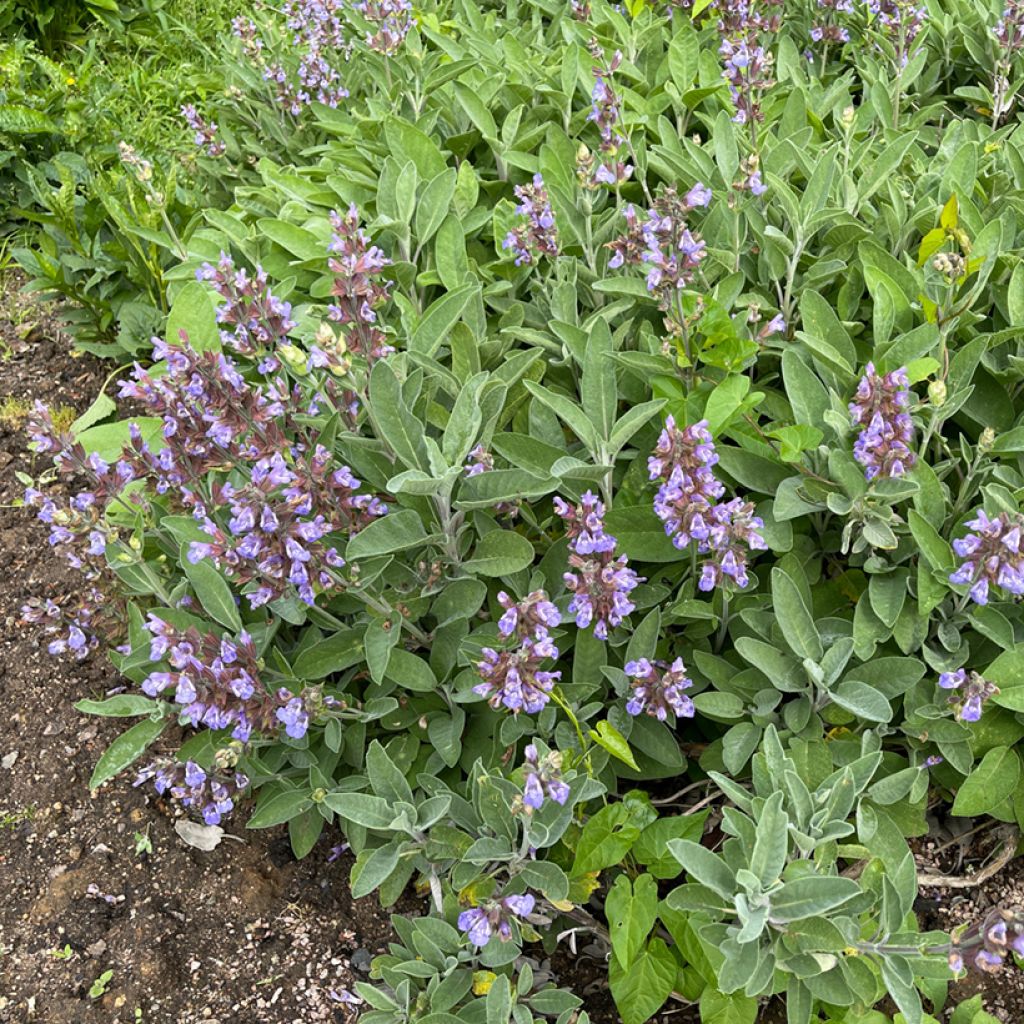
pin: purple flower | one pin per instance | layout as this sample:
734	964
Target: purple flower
255	320
991	555
205	131
537	235
211	792
664	243
880	408
600	582
293	716
217	683
494	918
657	689
514	678
686	503
359	288
479	461
734	530
391	21
543	778
970	693
531	617
606	114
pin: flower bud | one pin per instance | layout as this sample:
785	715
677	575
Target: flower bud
987	439
937	393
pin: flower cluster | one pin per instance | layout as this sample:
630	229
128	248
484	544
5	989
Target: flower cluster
600	582
999	934
494	917
205	131
358	289
828	30
74	630
686	503
901	21
320	38
513	678
751	177
217	683
747	67
658	689
971	693
537	236
279	520
991	555
543	778
212	793
1009	30
480	460
255	320
391	21
606	114
880	409
530	618
664	242
245	29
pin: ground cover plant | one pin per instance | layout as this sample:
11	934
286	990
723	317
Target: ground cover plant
580	471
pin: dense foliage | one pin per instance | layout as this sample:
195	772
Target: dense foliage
581	466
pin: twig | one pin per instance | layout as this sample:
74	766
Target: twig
1010	838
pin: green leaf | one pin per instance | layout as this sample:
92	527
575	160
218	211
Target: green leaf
935	549
410	671
794	618
725	400
500	553
434	204
361	809
100	409
608	737
606	839
439	319
631	910
641	991
811	896
386	779
771	842
718	1008
863	700
339	651
279	808
705	866
124	705
396	531
127	748
194	314
992	781
372	868
213	591
397	427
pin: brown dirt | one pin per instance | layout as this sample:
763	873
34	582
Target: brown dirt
243	933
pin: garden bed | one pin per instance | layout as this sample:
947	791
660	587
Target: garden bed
240	933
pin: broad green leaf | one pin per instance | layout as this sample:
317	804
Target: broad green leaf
631	910
642	989
794	618
214	592
992	781
125	750
500	553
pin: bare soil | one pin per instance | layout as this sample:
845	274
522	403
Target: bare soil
93	882
242	933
